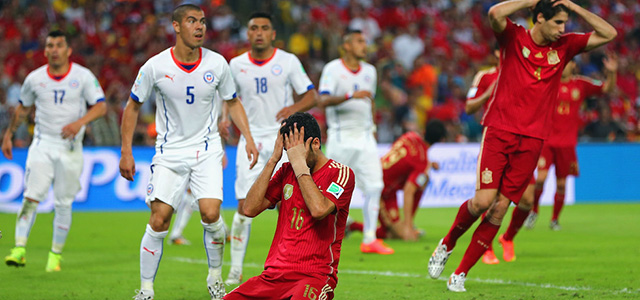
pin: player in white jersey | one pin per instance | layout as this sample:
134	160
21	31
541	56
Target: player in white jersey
60	92
265	77
189	151
347	88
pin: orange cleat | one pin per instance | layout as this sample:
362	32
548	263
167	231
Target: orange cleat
508	254
377	246
490	258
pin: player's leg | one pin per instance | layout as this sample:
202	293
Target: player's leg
183	214
520	214
566	164
489	257
558	203
307	287
262	287
544	162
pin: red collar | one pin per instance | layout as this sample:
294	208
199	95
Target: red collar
352	71
179	63
63	76
261	63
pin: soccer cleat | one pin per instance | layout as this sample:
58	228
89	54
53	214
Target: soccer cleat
53	263
216	290
347	228
490	258
554	225
530	222
17	257
508	254
456	282
377	246
143	295
235	276
438	259
180	241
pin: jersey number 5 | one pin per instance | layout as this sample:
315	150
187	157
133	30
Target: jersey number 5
190	94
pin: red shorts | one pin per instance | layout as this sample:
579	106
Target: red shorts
564	158
284	285
506	162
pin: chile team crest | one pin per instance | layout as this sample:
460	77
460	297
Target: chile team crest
74	84
276	70
208	77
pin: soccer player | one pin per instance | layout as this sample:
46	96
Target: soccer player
265	77
560	148
347	88
314	193
189	151
60	91
517	118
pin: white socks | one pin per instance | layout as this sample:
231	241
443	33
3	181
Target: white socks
26	218
150	254
370	211
61	225
182	216
240	232
214	238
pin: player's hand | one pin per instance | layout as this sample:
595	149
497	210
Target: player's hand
568	4
225	161
7	146
408	233
279	146
610	63
252	153
127	166
284	113
297	149
435	166
70	131
223	129
362	94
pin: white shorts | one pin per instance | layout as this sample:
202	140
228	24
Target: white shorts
245	177
360	153
175	170
53	163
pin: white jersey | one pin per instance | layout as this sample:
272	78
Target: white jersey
265	87
353	115
60	100
187	108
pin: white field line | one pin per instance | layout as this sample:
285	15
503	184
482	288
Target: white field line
414	275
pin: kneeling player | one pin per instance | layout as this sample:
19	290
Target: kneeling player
314	193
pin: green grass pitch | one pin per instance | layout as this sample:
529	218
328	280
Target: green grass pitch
595	256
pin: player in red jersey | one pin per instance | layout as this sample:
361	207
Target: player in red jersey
517	118
560	148
405	168
314	193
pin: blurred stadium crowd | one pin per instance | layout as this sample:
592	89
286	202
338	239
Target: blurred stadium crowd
426	53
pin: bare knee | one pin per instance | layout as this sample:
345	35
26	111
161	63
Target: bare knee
498	210
526	202
209	210
210	216
482	201
160	216
240	205
560	185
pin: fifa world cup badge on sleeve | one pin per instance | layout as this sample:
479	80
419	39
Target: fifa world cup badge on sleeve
335	190
487	176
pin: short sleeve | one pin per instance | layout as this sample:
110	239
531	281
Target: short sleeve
341	187
91	90
226	86
327	82
274	190
298	77
479	89
591	87
374	81
576	43
418	174
27	94
508	34
143	86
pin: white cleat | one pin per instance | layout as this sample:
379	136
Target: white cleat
438	260
530	222
216	290
555	226
143	295
456	282
235	277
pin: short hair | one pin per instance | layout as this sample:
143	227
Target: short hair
181	10
260	14
58	33
435	131
548	11
302	119
348	33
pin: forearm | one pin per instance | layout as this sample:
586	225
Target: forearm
96	111
319	206
255	201
498	13
225	112
308	101
474	105
409	195
600	26
129	121
328	100
610	82
18	117
239	117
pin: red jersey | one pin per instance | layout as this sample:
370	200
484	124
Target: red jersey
406	161
528	80
566	117
302	243
482	81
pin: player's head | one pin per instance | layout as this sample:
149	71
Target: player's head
260	31
56	49
190	25
311	130
354	44
550	19
435	132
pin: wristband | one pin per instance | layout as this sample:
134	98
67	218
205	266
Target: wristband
348	96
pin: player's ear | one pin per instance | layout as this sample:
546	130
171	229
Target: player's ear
540	18
176	26
69	51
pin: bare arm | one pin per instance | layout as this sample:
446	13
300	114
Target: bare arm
96	111
255	202
474	104
129	121
498	13
611	70
328	100
239	117
603	31
308	101
18	117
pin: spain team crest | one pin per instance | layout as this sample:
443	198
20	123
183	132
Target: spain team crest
575	94
552	57
487	176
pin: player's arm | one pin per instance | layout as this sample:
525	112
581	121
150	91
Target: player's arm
308	101
297	148
239	117
498	13
18	117
611	71
96	111
129	121
603	31
474	104
255	202
329	100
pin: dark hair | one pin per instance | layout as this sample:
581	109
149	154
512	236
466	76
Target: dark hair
302	119
260	14
58	33
435	131
181	10
548	11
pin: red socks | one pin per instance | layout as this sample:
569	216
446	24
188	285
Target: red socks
464	220
517	219
356	226
558	202
480	242
536	199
